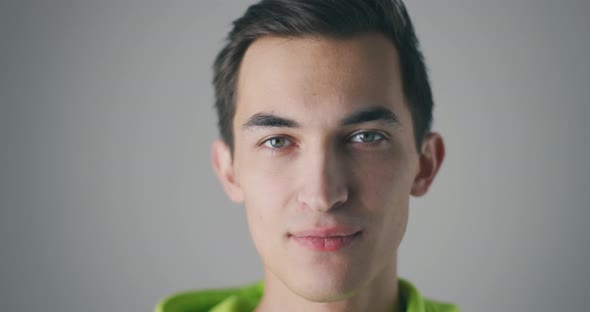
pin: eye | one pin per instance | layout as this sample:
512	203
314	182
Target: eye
367	137
276	142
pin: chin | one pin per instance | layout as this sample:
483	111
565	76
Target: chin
326	286
319	293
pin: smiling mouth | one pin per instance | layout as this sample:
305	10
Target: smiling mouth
326	243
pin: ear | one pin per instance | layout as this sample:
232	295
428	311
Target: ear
222	162
431	158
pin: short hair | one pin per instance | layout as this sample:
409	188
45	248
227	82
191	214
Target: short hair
324	18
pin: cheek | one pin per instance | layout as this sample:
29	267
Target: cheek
384	183
266	183
384	180
384	193
266	188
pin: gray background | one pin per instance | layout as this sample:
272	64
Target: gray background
109	203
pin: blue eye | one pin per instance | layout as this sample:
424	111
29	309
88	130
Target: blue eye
367	137
276	142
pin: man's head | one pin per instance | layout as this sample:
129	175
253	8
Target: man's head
325	152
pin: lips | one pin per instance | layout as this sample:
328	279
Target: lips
326	239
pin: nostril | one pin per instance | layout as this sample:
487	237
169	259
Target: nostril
323	201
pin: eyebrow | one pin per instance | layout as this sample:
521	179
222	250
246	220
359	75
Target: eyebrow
269	120
376	113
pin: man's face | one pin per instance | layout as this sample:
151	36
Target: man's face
324	147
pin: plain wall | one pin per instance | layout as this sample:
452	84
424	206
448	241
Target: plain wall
109	202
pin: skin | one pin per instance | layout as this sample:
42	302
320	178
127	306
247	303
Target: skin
308	168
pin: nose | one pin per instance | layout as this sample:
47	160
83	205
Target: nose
323	185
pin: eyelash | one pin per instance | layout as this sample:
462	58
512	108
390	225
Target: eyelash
378	134
276	149
380	137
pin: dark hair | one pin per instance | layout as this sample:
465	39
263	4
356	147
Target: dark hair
328	18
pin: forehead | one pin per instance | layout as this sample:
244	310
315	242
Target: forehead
323	76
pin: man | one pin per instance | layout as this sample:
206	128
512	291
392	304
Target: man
324	110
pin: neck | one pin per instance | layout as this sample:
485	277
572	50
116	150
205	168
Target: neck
380	295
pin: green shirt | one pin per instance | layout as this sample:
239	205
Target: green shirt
245	299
